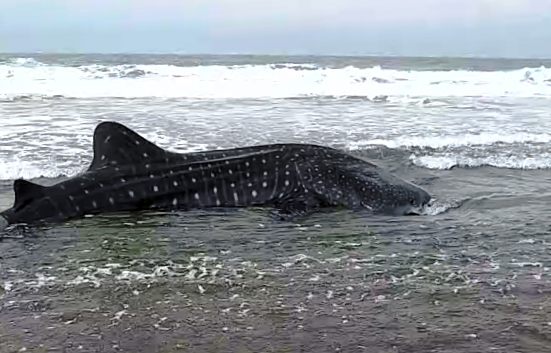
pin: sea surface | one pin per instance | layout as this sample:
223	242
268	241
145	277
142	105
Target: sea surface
470	274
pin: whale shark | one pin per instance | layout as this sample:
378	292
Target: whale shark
130	173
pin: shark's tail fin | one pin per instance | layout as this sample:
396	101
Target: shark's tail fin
25	191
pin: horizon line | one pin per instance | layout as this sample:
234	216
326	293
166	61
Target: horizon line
473	56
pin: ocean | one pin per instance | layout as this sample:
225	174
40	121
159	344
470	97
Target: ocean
470	274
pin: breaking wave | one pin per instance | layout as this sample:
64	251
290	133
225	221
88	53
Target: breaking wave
26	76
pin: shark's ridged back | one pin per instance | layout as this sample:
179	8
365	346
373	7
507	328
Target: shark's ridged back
115	144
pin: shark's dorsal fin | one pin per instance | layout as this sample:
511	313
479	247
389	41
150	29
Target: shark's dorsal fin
25	191
115	144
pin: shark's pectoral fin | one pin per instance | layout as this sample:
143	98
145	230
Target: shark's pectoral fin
115	144
288	211
25	192
289	207
144	203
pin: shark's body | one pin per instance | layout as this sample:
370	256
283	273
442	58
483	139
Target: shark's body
129	173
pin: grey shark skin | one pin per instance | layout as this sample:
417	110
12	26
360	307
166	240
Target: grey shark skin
130	173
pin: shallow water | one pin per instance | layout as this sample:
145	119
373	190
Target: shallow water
471	274
473	278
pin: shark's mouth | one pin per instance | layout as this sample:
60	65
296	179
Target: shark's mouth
421	209
415	211
3	223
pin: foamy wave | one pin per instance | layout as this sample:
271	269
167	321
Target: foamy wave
437	207
466	161
17	169
24	62
516	150
25	76
483	138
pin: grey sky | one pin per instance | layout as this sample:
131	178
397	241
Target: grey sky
505	28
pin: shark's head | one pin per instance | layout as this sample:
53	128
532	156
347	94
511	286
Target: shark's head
385	192
404	199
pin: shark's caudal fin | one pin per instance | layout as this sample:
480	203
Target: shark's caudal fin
115	144
25	191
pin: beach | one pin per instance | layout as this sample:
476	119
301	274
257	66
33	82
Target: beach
470	274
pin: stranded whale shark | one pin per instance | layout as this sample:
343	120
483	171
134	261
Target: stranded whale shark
129	173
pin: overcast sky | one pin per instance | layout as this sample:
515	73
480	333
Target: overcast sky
490	28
